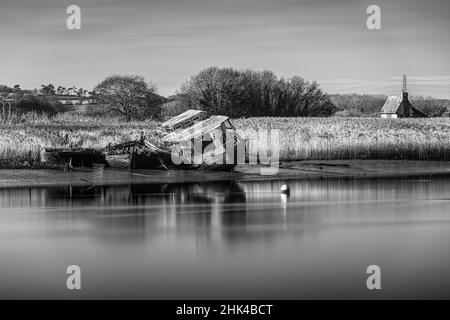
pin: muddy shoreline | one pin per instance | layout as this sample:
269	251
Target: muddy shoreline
332	169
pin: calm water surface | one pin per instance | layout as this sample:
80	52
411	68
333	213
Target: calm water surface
228	240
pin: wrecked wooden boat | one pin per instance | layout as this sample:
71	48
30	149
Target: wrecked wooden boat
210	144
193	142
74	157
138	154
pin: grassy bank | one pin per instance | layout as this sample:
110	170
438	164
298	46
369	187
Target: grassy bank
21	143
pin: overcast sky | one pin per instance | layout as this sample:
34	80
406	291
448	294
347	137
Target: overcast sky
167	41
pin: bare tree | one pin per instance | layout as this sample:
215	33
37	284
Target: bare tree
243	93
125	94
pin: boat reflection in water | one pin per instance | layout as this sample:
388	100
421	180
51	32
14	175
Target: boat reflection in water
228	240
133	212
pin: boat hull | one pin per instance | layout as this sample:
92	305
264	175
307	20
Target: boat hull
75	158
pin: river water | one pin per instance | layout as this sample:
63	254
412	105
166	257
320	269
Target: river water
228	240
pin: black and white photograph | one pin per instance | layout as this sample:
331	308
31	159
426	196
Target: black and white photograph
212	150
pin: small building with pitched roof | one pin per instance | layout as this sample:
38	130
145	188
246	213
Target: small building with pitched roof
400	107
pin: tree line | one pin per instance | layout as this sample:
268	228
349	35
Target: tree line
247	93
225	91
47	89
43	99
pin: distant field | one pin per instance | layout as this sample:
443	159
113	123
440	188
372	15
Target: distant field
300	138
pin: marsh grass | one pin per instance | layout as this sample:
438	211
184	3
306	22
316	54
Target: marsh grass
356	138
23	139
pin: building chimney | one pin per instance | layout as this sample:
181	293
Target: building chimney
405	102
405	89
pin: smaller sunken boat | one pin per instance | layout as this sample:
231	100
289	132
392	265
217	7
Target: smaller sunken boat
74	157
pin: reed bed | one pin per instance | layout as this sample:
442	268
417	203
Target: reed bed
23	139
355	138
